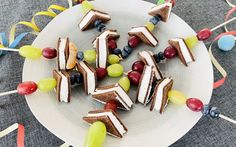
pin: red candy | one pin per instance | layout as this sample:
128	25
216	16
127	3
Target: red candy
27	88
112	45
194	104
101	73
170	52
138	66
134	77
133	41
49	53
204	34
111	105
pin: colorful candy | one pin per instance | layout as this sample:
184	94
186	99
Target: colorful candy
27	88
49	53
194	104
101	73
138	66
125	83
30	52
46	85
96	135
115	70
90	56
111	105
226	43
134	77
113	59
177	97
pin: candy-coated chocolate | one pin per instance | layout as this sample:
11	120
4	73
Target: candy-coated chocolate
90	56
204	34
138	66
115	70
170	52
46	85
113	59
49	53
134	77
27	88
134	41
112	45
111	105
214	112
117	51
30	52
128	49
155	19
80	56
101	73
150	26
226	43
96	135
194	104
125	83
177	97
191	41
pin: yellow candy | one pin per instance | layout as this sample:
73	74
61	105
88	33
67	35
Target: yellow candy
177	97
86	6
191	41
30	52
150	26
46	85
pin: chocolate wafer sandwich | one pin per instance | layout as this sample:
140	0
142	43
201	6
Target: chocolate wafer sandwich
90	17
63	88
184	52
160	95
89	76
144	34
113	92
147	58
113	124
101	45
162	10
62	53
145	85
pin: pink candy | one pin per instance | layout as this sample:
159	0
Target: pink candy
27	88
194	104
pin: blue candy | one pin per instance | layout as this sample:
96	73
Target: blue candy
80	56
128	49
226	43
117	51
154	20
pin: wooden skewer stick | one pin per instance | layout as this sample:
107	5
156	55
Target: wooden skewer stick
9	49
227	119
8	93
221	25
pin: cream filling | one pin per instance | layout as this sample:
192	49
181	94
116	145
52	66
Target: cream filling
89	16
159	95
90	78
62	56
127	103
184	49
150	62
163	6
146	33
64	91
102	53
143	89
114	120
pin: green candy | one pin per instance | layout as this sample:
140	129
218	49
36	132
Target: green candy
115	70
90	56
46	85
124	83
96	135
113	59
30	52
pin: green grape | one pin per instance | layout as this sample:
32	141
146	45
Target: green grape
124	83
115	70
96	135
46	85
30	52
86	6
113	59
177	97
90	56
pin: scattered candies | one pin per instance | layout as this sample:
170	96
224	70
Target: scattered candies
226	43
46	85
125	83
115	70
27	88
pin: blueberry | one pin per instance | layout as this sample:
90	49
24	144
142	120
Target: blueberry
80	56
117	51
79	78
72	79
101	27
214	112
128	49
97	23
161	55
155	20
206	110
124	54
157	58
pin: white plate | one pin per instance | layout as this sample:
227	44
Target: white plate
145	128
